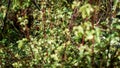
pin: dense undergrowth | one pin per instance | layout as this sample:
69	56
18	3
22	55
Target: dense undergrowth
60	33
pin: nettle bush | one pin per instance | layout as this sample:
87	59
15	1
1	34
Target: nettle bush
60	33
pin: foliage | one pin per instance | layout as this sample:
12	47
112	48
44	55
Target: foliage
60	33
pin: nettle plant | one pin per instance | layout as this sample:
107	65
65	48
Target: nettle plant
60	33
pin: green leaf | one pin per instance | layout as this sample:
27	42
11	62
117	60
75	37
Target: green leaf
117	26
86	10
